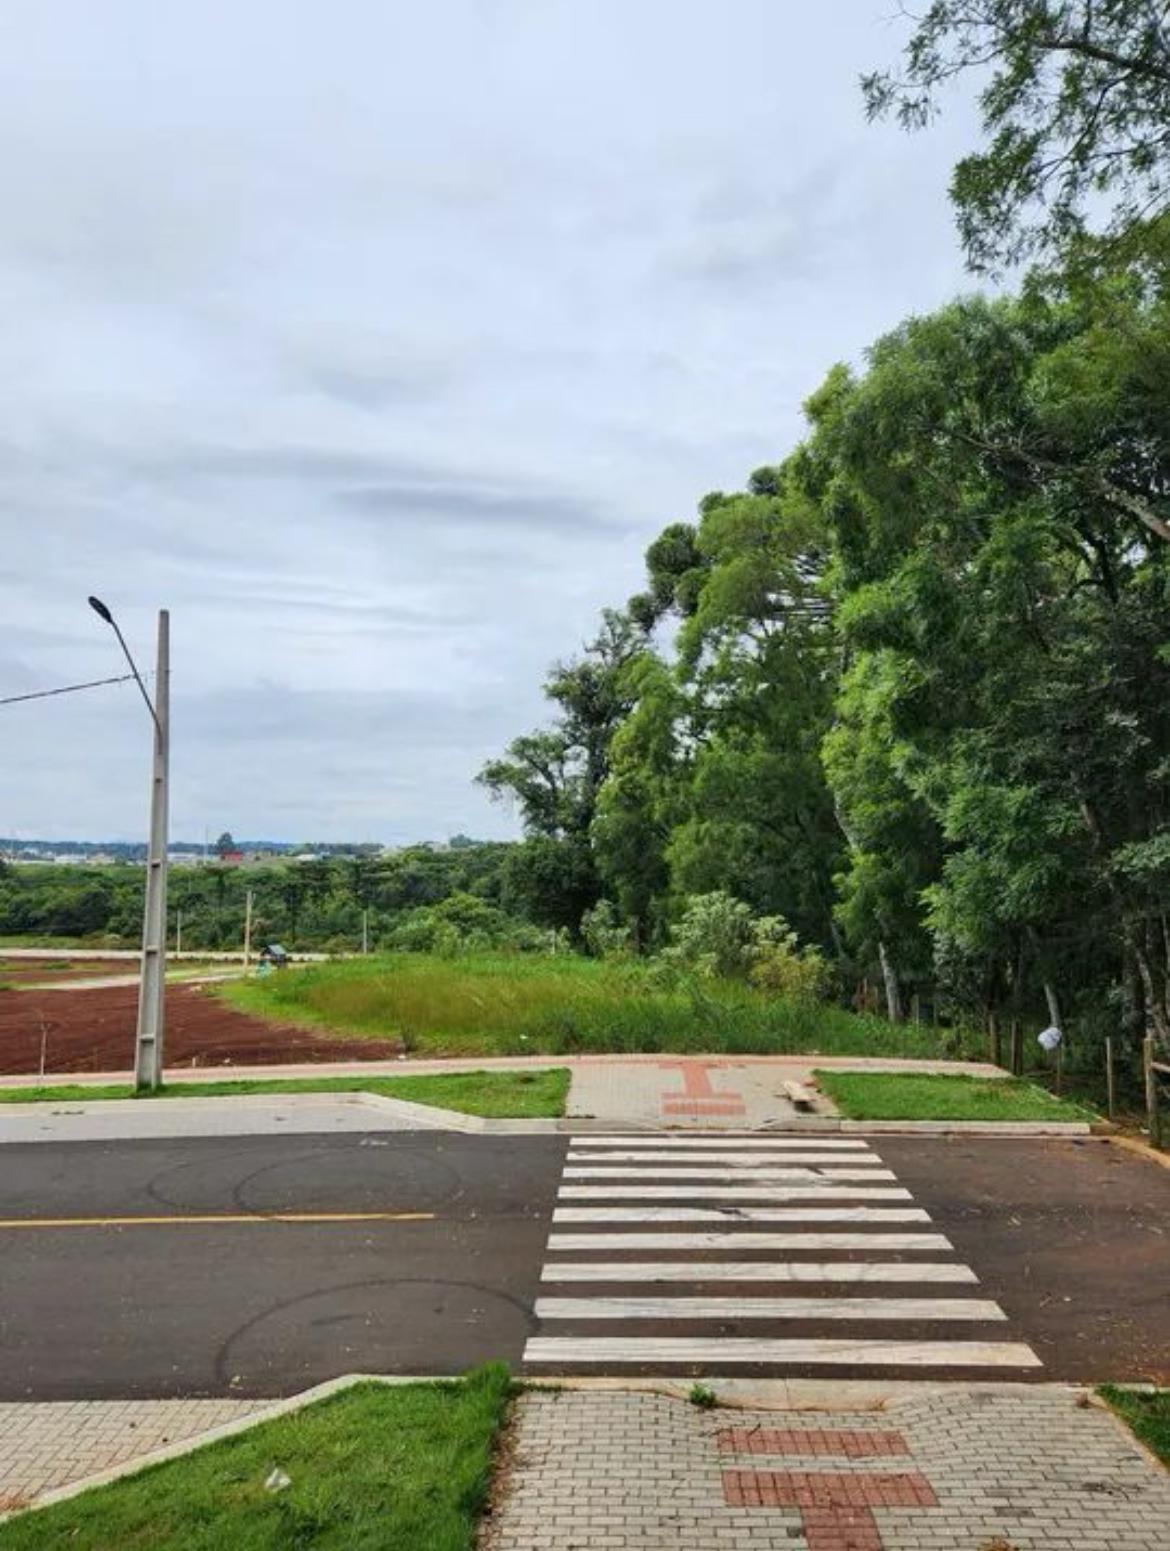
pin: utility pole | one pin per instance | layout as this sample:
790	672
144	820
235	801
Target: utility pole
148	1064
247	929
152	985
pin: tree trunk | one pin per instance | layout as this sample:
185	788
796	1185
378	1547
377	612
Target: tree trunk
994	1052
893	994
1157	1015
1053	1004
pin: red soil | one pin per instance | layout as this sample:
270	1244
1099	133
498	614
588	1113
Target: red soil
93	1031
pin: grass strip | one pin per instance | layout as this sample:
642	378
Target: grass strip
494	1095
374	1468
1145	1412
943	1096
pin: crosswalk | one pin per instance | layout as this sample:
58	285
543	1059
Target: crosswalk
781	1255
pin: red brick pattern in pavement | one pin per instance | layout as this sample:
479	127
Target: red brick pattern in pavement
835	1506
698	1097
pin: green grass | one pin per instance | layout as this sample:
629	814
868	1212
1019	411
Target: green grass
1146	1412
498	1095
942	1096
376	1468
497	1004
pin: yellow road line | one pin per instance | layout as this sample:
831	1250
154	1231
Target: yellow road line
224	1217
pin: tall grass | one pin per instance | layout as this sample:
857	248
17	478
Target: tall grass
497	1004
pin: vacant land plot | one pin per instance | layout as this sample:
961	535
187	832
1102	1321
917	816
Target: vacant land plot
373	1468
488	1004
93	1031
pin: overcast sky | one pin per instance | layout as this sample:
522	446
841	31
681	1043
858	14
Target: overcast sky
376	340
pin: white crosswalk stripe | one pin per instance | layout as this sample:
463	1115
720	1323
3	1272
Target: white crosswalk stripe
614	1238
768	1308
746	1160
700	1143
643	1350
812	1191
632	1214
634	1272
757	1176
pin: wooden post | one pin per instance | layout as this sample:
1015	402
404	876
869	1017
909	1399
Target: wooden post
1017	1066
247	929
1110	1076
178	932
1154	1120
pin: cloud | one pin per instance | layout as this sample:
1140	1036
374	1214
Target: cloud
378	342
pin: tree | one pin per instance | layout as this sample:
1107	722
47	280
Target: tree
556	774
755	652
225	844
1075	104
1007	690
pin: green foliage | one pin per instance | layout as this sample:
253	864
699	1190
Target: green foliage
603	932
1074	99
1147	1412
719	936
702	1397
372	1467
917	703
511	1004
311	904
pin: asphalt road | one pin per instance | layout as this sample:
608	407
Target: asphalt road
422	1253
264	1308
1071	1237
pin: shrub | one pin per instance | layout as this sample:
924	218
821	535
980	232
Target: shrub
719	937
713	936
605	935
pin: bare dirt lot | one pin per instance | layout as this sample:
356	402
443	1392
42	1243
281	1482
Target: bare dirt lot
93	1031
23	972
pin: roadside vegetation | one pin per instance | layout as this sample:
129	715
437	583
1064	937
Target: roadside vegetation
495	1095
943	1096
902	701
1147	1412
497	1004
375	1468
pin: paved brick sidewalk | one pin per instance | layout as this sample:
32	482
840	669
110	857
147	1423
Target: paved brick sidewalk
939	1470
47	1445
686	1091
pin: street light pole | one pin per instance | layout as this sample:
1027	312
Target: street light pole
148	1055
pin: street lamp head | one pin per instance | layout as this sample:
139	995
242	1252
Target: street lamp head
99	608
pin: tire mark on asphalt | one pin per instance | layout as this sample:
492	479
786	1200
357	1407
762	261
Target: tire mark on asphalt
222	1364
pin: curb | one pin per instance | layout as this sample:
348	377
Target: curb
1140	1150
428	1117
778	1395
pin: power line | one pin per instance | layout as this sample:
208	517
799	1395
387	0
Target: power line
66	689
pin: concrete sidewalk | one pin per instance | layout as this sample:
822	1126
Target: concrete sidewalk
789	1066
930	1468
